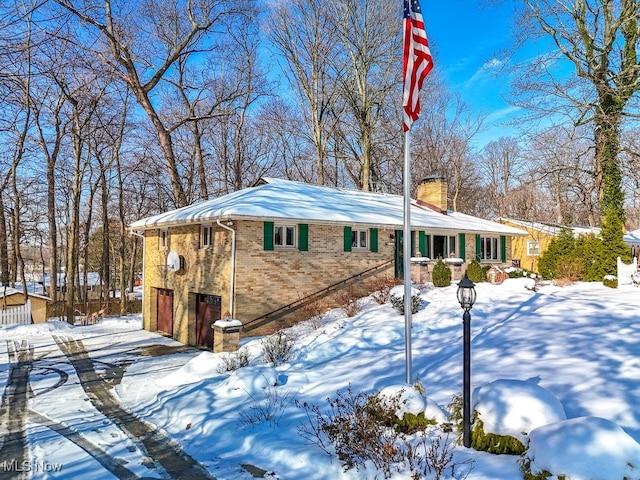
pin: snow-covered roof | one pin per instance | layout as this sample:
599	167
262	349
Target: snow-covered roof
8	291
278	199
632	237
553	229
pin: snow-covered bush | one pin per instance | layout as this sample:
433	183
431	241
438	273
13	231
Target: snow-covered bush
231	361
610	281
396	297
356	426
362	429
505	411
579	448
277	348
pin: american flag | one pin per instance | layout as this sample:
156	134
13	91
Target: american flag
417	61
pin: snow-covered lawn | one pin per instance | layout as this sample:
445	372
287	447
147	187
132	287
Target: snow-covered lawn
579	345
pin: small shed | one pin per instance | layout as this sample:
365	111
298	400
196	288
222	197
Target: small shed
12	300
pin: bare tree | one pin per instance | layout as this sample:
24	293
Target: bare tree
301	32
501	165
369	38
145	51
442	143
562	163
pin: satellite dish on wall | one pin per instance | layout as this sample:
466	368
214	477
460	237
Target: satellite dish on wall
174	261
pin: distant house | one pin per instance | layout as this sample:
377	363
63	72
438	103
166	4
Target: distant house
261	253
93	287
633	240
13	308
527	249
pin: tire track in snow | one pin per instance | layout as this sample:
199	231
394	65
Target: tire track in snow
165	451
13	409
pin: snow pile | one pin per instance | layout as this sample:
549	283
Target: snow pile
584	448
412	401
515	408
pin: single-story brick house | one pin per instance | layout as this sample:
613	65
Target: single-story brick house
259	253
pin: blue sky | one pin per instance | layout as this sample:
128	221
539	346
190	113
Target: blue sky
465	38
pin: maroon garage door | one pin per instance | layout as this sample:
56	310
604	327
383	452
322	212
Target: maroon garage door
165	311
208	310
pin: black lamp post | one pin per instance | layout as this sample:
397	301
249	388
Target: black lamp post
466	297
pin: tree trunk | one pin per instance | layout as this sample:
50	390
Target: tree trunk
4	252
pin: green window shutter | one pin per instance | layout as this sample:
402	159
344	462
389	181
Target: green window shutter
503	248
478	247
268	235
463	248
422	243
373	239
347	239
303	237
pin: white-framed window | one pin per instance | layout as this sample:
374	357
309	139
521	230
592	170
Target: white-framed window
533	248
453	249
360	239
489	248
444	246
284	236
164	240
206	236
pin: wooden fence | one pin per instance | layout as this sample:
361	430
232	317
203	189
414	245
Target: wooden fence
18	315
59	309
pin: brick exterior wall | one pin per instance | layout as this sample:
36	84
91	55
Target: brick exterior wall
265	279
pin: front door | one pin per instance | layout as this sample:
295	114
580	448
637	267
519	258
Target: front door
208	310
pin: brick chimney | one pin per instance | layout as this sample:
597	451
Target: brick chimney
432	193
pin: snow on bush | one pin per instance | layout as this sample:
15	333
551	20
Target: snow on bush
412	401
408	398
396	297
515	407
584	448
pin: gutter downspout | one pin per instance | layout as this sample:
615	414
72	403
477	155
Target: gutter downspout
233	266
141	235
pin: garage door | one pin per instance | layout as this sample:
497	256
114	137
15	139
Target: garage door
208	310
165	311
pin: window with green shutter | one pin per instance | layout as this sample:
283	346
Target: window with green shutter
503	248
463	246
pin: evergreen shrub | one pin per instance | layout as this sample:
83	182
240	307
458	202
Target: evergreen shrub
610	281
441	275
398	303
492	442
474	272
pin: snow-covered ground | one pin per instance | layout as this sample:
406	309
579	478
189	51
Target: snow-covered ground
579	344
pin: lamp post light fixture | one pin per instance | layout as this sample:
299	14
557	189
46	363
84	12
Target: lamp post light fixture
466	297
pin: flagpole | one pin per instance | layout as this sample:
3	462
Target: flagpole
407	254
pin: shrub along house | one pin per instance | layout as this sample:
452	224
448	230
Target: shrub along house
526	250
259	254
